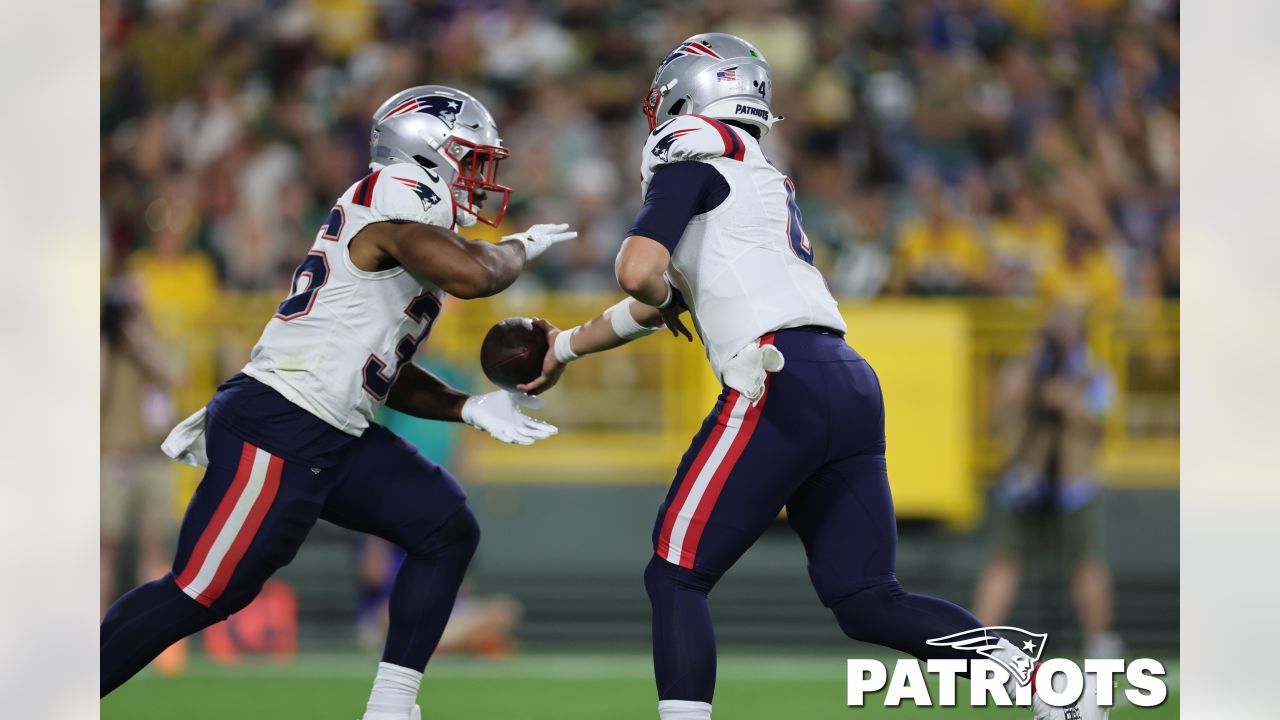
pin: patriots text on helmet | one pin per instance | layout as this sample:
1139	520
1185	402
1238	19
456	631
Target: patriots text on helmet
750	110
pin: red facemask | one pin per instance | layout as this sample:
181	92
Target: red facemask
650	107
478	179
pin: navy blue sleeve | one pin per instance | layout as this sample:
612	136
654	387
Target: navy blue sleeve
676	193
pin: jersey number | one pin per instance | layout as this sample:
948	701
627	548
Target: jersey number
377	382
795	231
310	276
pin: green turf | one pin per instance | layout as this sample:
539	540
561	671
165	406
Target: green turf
562	686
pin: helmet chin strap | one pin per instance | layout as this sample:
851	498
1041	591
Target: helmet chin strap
464	217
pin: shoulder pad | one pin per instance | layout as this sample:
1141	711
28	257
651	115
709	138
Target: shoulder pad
689	137
407	191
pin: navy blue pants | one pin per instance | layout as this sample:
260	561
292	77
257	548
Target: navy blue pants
814	444
274	471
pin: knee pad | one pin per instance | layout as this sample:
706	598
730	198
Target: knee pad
863	614
661	576
458	534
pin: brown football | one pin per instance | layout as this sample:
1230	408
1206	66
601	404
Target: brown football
512	352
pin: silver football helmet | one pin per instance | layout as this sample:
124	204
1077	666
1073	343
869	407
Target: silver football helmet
450	133
717	75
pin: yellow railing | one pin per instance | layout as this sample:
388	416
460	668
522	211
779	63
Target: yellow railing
627	417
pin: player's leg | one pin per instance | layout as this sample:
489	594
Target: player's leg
731	484
247	518
390	490
844	515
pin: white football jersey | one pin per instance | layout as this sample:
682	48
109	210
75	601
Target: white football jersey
745	268
338	341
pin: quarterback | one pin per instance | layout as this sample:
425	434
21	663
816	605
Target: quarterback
291	438
800	422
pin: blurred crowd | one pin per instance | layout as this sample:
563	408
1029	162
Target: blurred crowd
1023	148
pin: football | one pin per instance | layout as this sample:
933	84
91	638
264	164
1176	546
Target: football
512	352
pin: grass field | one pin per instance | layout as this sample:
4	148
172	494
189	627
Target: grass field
531	686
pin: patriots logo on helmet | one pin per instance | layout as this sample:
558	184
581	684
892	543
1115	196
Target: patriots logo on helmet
984	640
428	196
689	48
445	108
662	149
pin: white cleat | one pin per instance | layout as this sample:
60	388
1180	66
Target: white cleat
1086	708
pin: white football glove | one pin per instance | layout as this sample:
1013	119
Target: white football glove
746	371
540	237
498	413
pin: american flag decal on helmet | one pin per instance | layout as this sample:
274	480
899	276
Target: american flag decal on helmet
445	108
985	640
727	74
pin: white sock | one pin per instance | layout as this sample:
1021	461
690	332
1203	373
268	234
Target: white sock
683	710
395	692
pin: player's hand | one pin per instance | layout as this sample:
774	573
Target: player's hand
671	316
498	413
551	367
538	238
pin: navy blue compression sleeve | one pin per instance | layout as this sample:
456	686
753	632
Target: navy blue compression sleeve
676	193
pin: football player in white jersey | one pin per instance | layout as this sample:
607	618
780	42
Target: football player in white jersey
292	438
800	422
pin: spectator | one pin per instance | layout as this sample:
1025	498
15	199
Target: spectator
1047	505
136	414
1083	276
1025	242
939	254
180	287
985	95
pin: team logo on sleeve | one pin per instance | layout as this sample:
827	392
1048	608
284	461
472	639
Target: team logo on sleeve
662	149
445	108
428	196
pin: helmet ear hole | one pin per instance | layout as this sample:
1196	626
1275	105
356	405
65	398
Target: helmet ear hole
424	162
676	107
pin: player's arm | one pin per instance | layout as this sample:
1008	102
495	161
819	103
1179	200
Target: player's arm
676	194
641	268
461	267
618	325
418	393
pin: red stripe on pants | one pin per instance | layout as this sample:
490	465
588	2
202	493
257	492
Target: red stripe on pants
687	480
270	485
219	518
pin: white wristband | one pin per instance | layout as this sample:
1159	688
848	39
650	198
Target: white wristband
671	295
564	351
624	324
